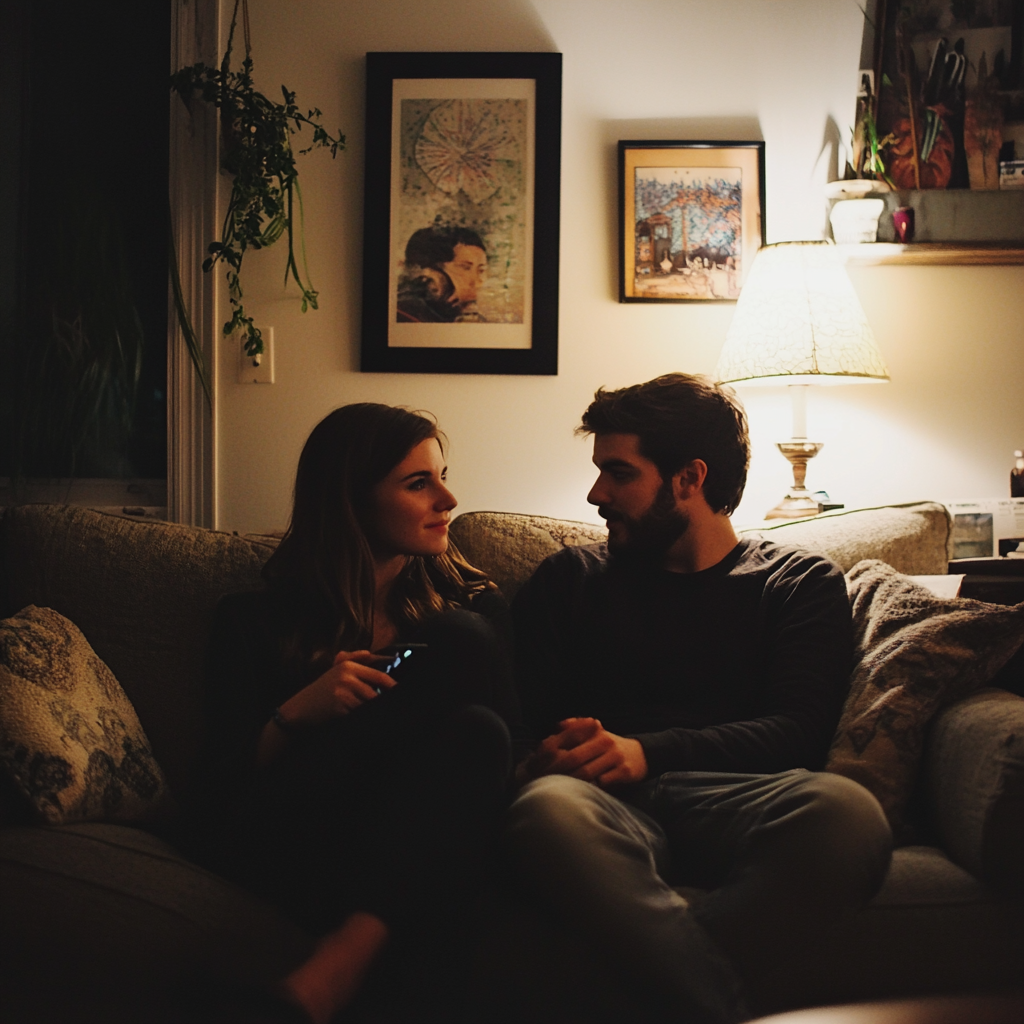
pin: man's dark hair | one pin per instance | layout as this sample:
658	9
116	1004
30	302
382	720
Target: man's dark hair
678	418
430	247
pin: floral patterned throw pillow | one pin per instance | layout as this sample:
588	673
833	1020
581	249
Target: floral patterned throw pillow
69	737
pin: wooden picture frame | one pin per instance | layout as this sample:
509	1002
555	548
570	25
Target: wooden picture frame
691	218
460	251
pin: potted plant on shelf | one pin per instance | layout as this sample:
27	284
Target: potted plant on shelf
854	216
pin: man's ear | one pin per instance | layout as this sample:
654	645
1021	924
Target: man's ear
689	481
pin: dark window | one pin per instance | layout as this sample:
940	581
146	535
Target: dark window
83	239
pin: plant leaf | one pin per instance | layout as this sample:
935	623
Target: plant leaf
188	333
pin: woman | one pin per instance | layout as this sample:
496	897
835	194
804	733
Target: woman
360	801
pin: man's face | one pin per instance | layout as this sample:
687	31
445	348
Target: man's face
467	269
630	494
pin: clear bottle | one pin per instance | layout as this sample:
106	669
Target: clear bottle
1017	476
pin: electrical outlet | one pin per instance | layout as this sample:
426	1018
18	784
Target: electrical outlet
258	369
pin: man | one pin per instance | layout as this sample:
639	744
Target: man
684	686
444	271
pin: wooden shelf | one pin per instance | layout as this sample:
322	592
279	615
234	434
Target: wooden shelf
932	254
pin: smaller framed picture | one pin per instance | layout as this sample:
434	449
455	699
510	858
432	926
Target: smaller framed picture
691	218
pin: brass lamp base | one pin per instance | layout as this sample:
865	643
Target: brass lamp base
798	503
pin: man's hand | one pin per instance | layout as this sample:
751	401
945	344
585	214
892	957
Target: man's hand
584	749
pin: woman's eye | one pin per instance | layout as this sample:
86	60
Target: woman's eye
418	485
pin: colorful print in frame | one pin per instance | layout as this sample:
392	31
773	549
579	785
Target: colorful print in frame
460	267
463	182
691	219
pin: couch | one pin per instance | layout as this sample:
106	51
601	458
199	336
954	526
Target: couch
110	922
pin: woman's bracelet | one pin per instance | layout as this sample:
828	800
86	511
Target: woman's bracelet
289	728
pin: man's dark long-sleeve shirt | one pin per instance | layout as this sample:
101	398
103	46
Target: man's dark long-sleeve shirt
742	667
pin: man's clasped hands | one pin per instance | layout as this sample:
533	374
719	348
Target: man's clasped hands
584	749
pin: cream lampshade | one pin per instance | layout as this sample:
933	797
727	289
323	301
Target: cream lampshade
799	322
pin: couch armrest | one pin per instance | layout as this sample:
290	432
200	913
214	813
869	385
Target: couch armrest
974	779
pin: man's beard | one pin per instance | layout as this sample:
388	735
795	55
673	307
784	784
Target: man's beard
651	535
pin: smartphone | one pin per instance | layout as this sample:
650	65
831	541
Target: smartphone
399	655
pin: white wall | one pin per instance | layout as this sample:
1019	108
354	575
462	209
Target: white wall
672	69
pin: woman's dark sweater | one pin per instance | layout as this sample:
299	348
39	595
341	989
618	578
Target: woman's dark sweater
385	809
247	677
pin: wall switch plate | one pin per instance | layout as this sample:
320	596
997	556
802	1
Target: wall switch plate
258	370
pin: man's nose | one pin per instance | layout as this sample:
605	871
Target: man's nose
597	495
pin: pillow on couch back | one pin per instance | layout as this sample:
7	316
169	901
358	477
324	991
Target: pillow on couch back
143	595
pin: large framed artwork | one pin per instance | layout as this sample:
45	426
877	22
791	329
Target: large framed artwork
691	218
460	264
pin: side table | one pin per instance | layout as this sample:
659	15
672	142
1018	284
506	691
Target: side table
996	580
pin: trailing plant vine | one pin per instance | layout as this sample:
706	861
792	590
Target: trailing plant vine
256	136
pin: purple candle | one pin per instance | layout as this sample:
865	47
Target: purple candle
903	222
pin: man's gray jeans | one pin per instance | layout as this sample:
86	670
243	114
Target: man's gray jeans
781	857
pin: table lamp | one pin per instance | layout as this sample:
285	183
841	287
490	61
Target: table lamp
798	322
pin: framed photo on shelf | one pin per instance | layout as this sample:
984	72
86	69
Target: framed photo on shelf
691	218
460	252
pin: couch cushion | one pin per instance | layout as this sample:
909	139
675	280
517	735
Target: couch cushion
508	547
913	539
916	653
101	916
143	595
932	928
975	783
69	737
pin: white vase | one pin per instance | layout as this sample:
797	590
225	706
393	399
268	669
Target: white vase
856	220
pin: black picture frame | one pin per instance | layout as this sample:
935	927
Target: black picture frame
398	335
694	266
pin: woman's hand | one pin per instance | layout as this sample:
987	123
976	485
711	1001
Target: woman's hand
349	683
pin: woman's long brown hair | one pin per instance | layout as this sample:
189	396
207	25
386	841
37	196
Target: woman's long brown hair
324	569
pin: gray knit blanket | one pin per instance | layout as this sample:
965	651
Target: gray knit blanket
915	653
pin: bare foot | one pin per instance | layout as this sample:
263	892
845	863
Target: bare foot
329	979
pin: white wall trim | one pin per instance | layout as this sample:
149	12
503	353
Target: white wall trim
191	449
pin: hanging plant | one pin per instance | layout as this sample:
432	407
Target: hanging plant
256	137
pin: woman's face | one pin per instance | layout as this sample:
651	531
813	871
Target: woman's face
412	506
